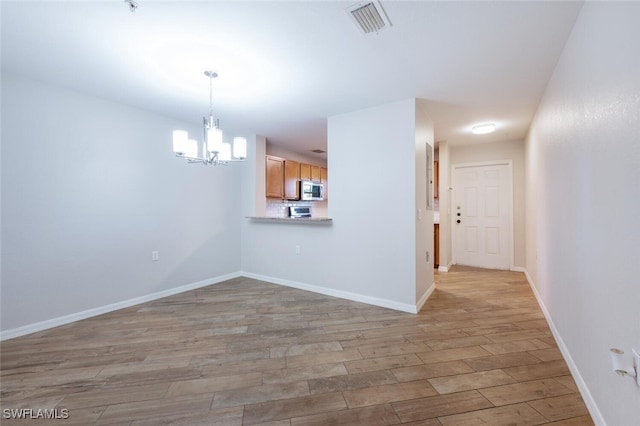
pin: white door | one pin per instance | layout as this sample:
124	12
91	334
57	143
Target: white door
482	215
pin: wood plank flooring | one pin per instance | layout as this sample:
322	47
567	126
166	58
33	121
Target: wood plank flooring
245	352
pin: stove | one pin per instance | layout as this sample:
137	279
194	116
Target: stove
299	211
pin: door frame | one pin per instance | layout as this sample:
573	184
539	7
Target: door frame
455	167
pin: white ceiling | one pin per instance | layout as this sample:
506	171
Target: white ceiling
286	66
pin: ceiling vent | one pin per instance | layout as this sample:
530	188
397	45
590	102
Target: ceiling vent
369	16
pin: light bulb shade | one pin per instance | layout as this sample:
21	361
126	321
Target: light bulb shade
240	148
225	152
214	140
180	138
484	128
191	149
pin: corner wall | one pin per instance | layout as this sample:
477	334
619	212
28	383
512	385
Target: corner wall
445	206
89	189
368	253
583	199
424	230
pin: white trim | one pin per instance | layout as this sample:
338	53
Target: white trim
385	303
595	413
446	268
425	297
66	319
509	164
518	269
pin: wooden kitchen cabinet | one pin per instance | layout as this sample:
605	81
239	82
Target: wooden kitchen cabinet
291	179
315	173
282	178
311	172
324	180
275	177
305	171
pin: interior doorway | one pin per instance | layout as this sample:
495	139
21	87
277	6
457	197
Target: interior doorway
482	214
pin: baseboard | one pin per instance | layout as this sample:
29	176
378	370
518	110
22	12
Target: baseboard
385	303
425	297
445	268
596	415
518	269
66	319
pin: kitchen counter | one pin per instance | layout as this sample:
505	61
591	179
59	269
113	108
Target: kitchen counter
300	220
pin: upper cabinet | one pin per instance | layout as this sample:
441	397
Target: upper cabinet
315	173
305	171
275	177
310	172
283	177
291	179
324	179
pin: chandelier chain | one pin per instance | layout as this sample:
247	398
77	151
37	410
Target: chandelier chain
211	98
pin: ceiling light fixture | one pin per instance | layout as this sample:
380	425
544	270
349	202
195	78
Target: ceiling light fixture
484	128
214	150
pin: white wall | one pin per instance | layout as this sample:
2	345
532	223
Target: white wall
369	251
424	221
444	198
89	189
514	151
583	184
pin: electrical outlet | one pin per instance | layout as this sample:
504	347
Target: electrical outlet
155	256
298	250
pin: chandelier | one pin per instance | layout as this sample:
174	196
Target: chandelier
213	150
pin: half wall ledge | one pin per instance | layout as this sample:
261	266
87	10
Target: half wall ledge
298	220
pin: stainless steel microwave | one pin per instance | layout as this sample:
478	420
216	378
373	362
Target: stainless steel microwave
311	191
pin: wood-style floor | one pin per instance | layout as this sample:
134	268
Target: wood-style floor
249	352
